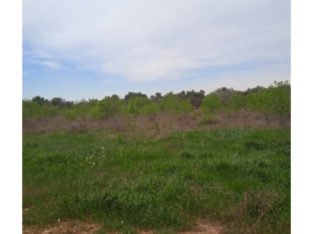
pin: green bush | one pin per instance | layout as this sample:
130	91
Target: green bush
136	104
273	100
82	109
236	102
32	109
150	108
109	106
172	103
211	103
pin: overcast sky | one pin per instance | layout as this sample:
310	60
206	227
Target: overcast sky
90	49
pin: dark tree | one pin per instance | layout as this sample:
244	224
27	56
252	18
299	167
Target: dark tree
39	100
253	90
195	98
225	94
133	94
57	101
156	97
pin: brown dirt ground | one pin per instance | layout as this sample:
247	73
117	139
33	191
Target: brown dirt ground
63	227
205	227
80	227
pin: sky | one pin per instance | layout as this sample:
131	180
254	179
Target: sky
79	49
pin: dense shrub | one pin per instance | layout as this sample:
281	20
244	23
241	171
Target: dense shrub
135	104
172	103
236	102
150	108
32	109
273	100
110	106
195	98
211	103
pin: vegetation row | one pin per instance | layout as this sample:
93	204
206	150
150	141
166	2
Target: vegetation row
274	99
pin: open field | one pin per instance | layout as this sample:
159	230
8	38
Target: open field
181	163
234	180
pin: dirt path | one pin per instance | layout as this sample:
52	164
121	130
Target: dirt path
62	227
205	227
80	227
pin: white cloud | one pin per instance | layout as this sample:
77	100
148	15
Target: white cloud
149	40
50	64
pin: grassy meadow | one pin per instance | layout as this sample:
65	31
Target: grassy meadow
239	178
234	177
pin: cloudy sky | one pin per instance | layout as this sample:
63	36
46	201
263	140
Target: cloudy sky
90	49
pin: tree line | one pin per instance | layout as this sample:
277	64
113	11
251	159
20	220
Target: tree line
274	99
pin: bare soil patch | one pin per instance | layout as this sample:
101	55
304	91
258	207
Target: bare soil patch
62	227
81	227
205	227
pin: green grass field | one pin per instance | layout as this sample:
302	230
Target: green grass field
238	178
